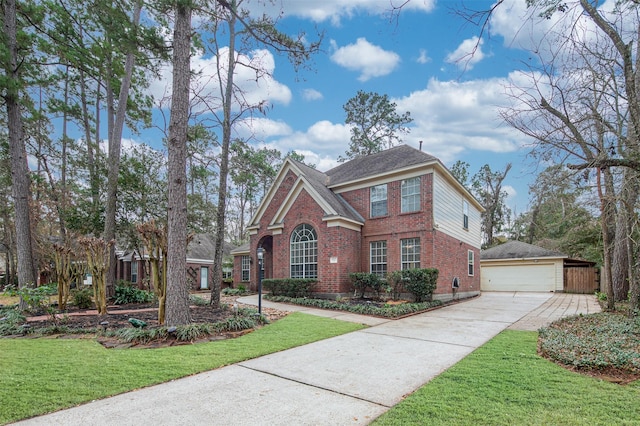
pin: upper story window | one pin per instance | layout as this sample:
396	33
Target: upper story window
379	200
304	252
378	253
410	253
410	195
246	268
465	214
470	262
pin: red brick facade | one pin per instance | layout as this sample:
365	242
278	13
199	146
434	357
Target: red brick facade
343	250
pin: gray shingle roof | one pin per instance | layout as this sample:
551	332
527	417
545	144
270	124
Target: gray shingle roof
392	159
517	250
202	246
318	180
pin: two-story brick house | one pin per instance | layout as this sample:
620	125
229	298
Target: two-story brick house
398	209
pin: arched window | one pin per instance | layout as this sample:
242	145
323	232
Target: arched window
304	252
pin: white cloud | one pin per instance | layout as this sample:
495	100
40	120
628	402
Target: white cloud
336	10
423	58
262	128
254	78
467	54
452	117
366	58
325	139
311	95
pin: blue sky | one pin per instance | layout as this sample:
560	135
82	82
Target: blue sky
417	59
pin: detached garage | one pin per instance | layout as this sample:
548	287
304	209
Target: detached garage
518	266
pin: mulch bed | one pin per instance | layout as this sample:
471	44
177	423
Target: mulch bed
118	317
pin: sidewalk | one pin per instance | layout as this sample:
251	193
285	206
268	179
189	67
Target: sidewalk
346	380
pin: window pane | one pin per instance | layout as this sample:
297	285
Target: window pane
378	200
378	255
246	268
470	263
410	195
304	252
410	253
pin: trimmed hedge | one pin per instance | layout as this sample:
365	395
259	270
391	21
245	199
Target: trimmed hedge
385	311
289	287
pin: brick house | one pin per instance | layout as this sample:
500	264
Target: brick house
134	267
397	209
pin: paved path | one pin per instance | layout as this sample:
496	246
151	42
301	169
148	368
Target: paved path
346	380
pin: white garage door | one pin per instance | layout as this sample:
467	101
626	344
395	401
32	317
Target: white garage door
539	277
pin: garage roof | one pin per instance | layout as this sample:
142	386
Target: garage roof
518	250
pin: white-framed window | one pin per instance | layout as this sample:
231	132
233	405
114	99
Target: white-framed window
410	189
470	262
378	255
465	214
134	271
378	195
304	252
246	268
410	253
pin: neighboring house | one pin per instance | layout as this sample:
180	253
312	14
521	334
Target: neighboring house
133	266
518	266
397	209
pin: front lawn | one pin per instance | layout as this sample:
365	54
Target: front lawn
505	382
47	374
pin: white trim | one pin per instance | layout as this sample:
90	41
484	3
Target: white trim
343	222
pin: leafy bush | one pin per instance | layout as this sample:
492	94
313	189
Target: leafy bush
396	284
82	298
130	294
197	300
290	287
234	291
420	282
36	298
10	321
385	311
598	341
363	281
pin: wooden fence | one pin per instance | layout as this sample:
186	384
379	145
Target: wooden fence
581	279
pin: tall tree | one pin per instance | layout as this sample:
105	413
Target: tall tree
582	104
488	188
177	302
243	32
375	124
16	44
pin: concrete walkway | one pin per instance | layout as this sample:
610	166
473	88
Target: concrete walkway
346	380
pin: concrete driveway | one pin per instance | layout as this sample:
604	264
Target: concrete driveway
349	379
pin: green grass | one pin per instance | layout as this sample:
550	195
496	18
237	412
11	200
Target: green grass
506	383
45	374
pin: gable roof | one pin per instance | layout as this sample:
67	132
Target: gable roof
202	247
518	250
396	158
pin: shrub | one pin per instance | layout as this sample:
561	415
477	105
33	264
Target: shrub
36	298
82	298
289	287
197	300
395	284
363	281
129	294
420	282
234	291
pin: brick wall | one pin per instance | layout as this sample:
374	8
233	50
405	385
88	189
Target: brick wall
451	257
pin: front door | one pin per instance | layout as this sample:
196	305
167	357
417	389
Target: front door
204	277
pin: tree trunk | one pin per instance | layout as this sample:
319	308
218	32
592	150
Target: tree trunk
177	302
607	209
115	144
224	165
620	263
20	179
